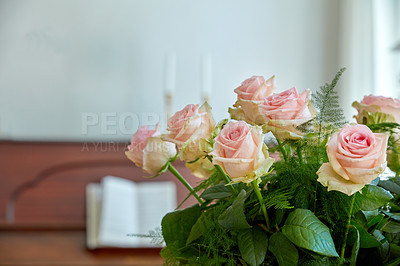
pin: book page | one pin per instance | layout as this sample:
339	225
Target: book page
155	200
93	212
118	215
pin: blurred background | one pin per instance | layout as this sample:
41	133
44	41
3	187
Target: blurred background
77	79
96	70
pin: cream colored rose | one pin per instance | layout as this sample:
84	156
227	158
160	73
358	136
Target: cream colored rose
148	151
201	168
377	109
285	111
356	157
240	151
250	94
187	127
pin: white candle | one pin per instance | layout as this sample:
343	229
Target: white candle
169	82
206	73
169	73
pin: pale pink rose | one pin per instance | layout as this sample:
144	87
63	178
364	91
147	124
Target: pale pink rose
255	88
139	142
356	157
187	127
377	104
285	111
148	151
240	151
250	94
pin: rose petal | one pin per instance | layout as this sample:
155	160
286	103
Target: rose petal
329	178
365	176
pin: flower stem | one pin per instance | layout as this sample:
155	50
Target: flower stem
226	179
346	232
260	199
300	154
283	150
184	182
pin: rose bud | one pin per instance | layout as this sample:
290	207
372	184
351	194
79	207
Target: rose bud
148	151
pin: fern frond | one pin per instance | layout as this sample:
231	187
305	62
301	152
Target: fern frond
326	100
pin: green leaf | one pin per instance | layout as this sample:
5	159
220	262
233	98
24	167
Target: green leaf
391	227
375	220
284	251
394	250
390	185
199	228
304	229
216	192
355	249
177	225
233	217
383	249
394	262
374	197
253	244
366	240
394	216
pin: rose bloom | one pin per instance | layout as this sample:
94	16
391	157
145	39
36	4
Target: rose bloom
285	111
250	94
388	110
240	151
356	157
187	127
148	151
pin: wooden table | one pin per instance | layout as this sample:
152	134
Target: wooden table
66	247
42	202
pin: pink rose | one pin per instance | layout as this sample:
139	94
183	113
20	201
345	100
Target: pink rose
255	88
356	157
148	151
377	109
187	127
240	151
250	94
285	111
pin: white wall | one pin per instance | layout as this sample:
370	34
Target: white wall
62	59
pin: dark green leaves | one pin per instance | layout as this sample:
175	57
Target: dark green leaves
284	251
253	244
356	247
304	229
177	225
199	228
216	192
374	197
233	217
366	240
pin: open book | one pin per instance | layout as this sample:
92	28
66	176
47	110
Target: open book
117	207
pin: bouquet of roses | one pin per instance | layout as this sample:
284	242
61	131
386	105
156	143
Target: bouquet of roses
317	193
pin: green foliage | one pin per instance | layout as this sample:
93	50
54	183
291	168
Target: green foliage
253	244
326	100
155	236
307	224
176	227
284	251
279	199
304	229
373	197
233	217
216	192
